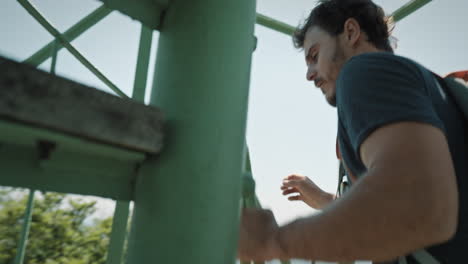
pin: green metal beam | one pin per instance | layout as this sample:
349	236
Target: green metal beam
29	136
189	198
41	168
408	9
148	12
70	34
141	74
53	63
25	229
275	24
54	32
249	198
118	235
282	27
30	204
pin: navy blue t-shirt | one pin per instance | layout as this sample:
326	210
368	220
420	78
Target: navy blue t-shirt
377	89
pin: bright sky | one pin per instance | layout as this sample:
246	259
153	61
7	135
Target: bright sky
290	127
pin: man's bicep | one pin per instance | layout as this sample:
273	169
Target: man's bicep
422	146
415	157
412	153
412	162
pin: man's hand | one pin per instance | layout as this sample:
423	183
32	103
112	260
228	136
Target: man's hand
258	238
305	190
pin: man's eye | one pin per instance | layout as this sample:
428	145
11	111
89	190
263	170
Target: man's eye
314	58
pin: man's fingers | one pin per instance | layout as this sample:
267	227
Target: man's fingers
283	188
292	183
295	198
294	177
289	191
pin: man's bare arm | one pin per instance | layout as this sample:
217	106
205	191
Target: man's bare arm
408	200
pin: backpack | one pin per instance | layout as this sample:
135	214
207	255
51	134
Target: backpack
456	86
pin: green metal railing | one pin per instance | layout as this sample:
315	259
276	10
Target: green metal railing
62	40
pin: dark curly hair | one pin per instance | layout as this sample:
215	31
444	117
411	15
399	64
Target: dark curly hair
330	15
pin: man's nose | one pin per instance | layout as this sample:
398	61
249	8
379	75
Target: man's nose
311	73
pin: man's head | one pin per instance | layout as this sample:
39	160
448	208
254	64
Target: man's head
335	31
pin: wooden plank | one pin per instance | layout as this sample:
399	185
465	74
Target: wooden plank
39	99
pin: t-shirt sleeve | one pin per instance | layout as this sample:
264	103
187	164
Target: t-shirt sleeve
373	91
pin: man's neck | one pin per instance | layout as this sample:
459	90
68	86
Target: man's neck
365	48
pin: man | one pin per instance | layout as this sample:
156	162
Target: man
400	136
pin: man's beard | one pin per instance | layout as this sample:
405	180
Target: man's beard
338	59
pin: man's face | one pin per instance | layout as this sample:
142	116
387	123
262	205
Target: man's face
324	58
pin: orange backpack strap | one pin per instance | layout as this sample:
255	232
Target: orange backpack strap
338	152
459	74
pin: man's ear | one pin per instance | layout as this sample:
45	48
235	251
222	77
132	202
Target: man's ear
351	32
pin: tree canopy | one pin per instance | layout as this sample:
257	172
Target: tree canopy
60	233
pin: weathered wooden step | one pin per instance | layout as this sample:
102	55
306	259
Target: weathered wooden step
58	135
39	99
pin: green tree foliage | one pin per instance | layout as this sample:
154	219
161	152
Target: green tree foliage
58	234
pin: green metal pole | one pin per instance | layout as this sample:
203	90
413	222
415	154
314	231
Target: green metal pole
248	189
187	199
28	212
118	233
408	9
54	32
249	198
122	210
141	74
25	229
70	34
53	63
275	24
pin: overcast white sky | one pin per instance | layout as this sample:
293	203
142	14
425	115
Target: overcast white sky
290	127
